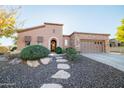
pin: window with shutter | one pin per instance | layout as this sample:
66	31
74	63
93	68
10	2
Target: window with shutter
39	39
27	40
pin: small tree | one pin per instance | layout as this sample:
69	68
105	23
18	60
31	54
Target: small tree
9	23
120	32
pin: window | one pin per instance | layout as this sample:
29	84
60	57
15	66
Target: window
66	42
27	40
40	40
27	43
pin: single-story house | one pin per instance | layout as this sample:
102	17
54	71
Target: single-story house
51	36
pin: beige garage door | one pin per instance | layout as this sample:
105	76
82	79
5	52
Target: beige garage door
92	46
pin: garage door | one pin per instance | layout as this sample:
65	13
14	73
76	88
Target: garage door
92	46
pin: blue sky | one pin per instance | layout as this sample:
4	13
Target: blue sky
94	19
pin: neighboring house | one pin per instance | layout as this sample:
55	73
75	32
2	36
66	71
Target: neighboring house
115	43
51	35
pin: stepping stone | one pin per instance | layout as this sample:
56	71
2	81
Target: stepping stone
61	60
63	66
61	74
59	57
51	85
52	54
45	61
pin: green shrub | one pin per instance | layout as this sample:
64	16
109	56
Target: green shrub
34	52
63	50
71	53
58	50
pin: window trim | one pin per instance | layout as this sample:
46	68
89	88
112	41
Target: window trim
66	42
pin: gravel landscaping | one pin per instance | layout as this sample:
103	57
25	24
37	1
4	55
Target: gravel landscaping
84	73
22	75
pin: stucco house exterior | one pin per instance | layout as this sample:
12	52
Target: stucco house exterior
51	35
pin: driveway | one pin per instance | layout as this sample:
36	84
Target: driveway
114	60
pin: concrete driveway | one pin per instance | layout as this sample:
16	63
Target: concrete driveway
114	60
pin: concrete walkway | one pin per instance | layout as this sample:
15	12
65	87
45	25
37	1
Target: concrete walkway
114	60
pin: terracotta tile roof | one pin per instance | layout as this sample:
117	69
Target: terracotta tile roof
89	33
31	28
46	23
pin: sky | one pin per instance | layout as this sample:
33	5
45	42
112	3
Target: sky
84	18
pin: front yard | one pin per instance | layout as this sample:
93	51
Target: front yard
84	73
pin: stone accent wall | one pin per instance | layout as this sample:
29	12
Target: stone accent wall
76	37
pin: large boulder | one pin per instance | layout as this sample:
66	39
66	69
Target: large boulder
33	63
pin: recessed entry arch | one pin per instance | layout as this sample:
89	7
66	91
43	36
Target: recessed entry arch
53	43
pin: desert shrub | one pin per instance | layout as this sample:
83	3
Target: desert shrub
58	50
63	50
71	53
3	49
34	52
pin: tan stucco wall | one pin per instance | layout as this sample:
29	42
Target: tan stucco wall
47	34
46	31
68	41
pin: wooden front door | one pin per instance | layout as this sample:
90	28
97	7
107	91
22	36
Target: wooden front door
53	45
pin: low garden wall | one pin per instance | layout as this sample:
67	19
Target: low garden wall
117	49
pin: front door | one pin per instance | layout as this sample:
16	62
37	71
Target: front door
53	45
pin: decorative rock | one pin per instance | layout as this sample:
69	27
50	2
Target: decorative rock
61	74
52	54
59	57
52	85
15	52
33	63
45	61
61	60
63	66
15	61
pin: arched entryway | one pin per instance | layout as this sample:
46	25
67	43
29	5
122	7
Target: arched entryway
53	45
